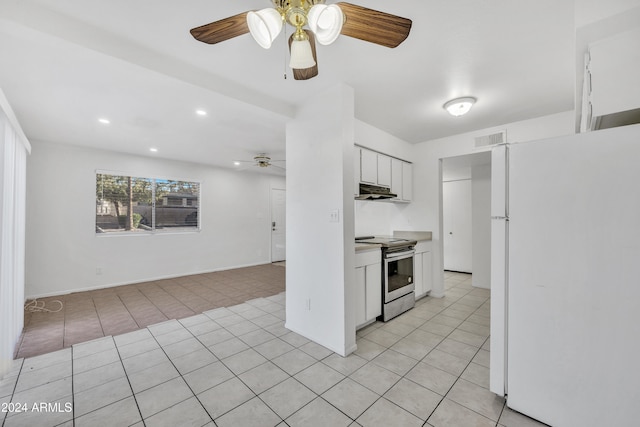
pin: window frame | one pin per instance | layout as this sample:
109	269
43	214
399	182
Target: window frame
153	231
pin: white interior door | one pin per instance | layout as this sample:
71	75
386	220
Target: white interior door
278	225
457	241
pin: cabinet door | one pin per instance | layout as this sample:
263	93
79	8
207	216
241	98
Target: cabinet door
407	181
361	299
384	170
614	78
427	279
418	277
373	291
356	171
368	166
396	178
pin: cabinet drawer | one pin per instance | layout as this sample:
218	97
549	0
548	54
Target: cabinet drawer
424	246
368	257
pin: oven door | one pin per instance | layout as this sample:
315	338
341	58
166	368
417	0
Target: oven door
398	274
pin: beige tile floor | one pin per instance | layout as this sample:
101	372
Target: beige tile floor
113	311
239	366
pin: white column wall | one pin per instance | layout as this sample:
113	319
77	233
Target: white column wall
320	253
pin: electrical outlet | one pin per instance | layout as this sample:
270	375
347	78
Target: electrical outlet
334	215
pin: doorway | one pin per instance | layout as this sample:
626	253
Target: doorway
278	225
466	216
457	225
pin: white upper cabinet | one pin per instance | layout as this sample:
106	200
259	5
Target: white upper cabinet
401	180
368	166
396	177
356	170
615	92
407	182
380	169
384	170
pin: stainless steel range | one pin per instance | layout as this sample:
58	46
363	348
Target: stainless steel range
398	288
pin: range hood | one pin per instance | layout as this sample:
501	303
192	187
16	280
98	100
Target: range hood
374	192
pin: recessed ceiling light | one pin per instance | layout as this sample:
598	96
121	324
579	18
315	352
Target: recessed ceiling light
104	121
236	163
201	112
153	150
459	106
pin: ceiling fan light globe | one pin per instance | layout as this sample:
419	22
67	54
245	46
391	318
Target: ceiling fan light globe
264	26
325	22
301	55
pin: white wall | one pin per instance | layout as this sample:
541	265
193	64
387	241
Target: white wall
63	250
371	137
590	11
424	212
320	253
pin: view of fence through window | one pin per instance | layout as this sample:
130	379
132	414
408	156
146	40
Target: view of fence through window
133	204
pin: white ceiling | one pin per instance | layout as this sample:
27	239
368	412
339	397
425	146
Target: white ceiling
65	63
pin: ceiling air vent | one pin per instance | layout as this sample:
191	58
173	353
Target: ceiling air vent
491	139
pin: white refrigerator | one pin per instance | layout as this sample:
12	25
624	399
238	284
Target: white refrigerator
565	278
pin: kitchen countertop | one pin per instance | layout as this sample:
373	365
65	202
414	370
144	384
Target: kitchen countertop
420	236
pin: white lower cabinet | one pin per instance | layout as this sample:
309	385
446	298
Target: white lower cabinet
368	286
422	269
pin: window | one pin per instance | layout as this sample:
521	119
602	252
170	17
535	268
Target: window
142	205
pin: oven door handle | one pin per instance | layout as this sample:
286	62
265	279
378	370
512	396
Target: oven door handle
396	255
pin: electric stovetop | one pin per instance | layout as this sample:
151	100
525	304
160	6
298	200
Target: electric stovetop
386	241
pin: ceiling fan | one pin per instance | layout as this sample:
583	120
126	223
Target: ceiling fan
261	160
325	23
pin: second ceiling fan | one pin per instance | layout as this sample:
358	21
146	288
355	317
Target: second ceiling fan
325	23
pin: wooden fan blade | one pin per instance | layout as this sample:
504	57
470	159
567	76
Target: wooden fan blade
222	30
306	73
374	26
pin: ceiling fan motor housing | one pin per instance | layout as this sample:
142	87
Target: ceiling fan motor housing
262	160
295	11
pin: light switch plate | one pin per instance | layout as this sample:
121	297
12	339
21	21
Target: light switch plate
334	216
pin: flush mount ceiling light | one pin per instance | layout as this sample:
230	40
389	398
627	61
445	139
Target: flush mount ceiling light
201	112
104	121
153	150
325	23
459	106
